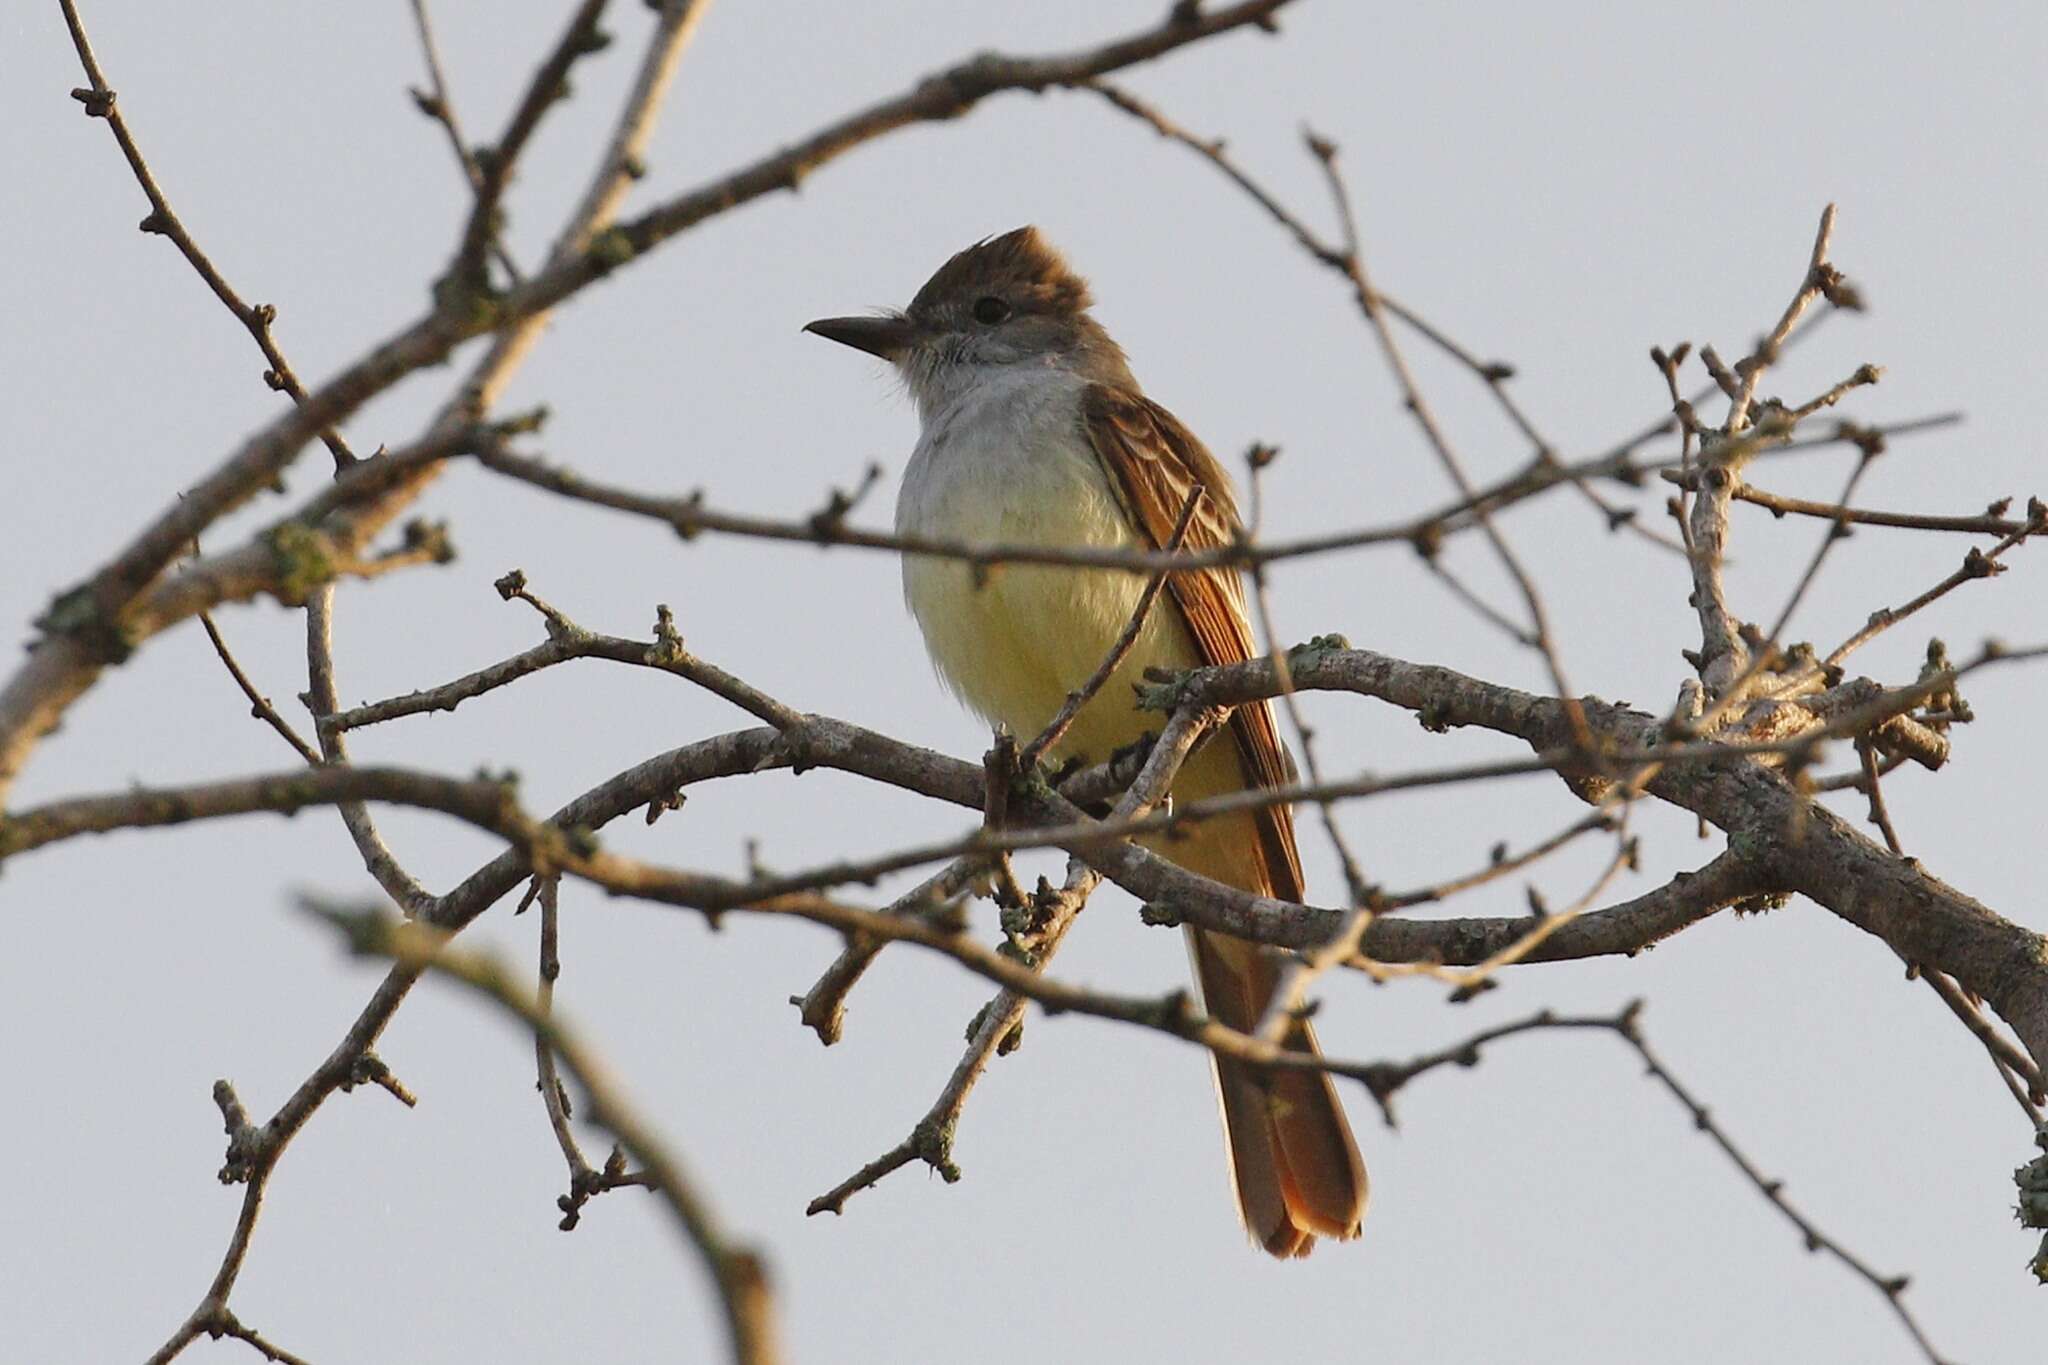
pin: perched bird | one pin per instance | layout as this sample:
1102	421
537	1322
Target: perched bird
1035	432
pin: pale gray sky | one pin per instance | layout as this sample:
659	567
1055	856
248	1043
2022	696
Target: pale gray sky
1561	186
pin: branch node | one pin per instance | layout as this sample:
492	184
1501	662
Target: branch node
98	103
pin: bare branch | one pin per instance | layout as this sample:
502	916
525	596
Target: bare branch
259	705
490	168
1893	1287
99	101
823	1007
737	1270
1991	523
321	699
64	665
996	1028
438	104
1493	374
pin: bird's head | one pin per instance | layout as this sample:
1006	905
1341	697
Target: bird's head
1004	302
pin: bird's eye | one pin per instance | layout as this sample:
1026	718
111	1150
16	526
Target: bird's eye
990	310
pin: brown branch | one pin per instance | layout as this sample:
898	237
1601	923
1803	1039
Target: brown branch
485	803
822	1009
1892	1287
259	705
1696	776
689	516
99	101
569	642
586	1182
490	168
996	1028
62	667
737	1270
1805	847
1723	654
488	805
321	699
1493	374
439	105
1992	523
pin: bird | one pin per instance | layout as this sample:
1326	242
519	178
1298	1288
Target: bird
1033	431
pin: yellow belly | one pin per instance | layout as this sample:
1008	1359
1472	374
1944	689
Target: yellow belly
1013	647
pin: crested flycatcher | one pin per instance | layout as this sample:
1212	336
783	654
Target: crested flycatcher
1035	432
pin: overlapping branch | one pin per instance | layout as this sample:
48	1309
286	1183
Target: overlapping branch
95	622
735	1269
1737	758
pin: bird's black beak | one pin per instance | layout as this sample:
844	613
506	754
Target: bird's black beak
887	337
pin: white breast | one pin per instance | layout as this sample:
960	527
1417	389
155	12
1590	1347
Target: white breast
1008	463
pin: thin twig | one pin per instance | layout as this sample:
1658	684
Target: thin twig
259	705
321	699
1821	279
439	105
1501	864
689	516
585	1181
1892	1287
99	101
996	1027
1056	729
1991	523
1325	153
494	165
567	642
823	1008
1493	374
1838	529
736	1270
1976	564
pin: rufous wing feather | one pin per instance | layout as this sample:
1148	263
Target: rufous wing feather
1295	1164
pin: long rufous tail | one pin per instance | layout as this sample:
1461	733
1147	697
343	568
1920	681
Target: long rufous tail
1292	1157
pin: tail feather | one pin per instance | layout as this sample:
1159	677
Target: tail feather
1294	1163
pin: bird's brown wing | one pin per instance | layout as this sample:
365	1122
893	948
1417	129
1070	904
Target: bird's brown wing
1293	1160
1153	464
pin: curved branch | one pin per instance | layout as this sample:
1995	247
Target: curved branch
736	1270
64	663
1802	846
